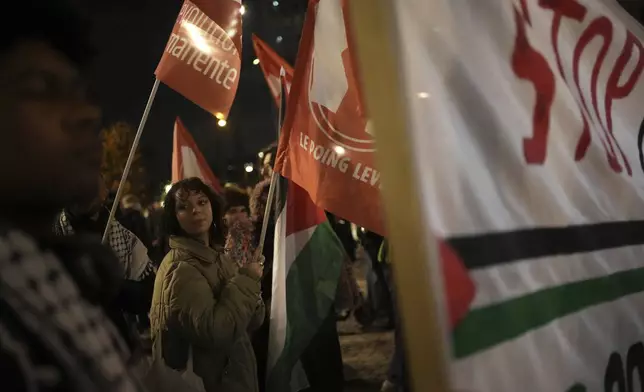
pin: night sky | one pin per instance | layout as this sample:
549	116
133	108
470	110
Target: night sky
131	35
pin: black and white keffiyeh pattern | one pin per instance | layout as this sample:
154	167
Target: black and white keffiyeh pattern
51	338
128	248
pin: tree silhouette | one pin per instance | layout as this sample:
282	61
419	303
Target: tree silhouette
117	140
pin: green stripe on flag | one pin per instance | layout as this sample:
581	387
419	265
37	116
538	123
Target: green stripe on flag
311	285
495	324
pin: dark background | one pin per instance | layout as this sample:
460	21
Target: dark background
131	36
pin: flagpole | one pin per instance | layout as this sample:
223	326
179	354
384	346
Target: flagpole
272	190
130	158
418	275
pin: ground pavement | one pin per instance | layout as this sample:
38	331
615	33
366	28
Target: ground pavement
365	355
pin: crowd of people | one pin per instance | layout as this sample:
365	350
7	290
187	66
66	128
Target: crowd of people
75	314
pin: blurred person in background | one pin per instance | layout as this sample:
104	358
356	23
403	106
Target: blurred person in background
205	303
378	304
135	293
132	218
155	225
267	161
348	297
258	200
54	332
236	201
397	373
342	229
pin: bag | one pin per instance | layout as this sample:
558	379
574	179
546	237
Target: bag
161	378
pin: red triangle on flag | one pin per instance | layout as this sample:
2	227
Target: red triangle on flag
272	66
187	160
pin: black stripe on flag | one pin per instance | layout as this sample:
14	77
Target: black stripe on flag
280	195
479	251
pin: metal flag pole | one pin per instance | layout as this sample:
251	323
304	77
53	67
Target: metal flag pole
418	276
273	189
130	159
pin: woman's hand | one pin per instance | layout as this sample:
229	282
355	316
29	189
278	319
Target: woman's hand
256	267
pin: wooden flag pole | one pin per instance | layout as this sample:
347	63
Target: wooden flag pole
130	159
272	190
416	263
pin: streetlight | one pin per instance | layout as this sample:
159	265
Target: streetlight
279	39
248	167
260	154
256	61
276	3
222	123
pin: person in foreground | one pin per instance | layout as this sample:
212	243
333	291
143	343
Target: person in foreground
135	294
205	304
54	334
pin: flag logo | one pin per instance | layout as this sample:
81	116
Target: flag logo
333	95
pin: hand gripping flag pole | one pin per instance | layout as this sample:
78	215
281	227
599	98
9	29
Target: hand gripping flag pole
272	190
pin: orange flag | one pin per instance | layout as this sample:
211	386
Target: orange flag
187	160
202	59
326	145
272	65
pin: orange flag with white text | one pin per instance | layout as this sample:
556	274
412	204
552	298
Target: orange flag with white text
326	145
202	60
187	160
272	65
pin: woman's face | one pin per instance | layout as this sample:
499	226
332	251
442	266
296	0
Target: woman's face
194	212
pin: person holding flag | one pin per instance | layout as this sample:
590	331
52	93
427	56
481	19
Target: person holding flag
206	299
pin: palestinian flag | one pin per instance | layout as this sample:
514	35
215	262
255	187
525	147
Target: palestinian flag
306	269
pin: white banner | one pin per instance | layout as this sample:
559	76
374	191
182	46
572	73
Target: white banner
528	125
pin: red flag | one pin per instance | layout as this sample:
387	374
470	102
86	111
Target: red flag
326	145
202	60
272	65
187	160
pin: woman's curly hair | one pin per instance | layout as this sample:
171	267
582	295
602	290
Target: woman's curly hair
171	225
257	199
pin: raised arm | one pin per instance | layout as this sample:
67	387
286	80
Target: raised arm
204	320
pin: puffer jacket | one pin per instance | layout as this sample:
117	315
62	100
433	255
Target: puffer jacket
203	301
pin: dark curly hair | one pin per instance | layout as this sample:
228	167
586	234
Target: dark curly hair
257	199
234	196
171	225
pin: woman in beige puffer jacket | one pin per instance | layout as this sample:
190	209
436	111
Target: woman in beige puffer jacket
204	304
